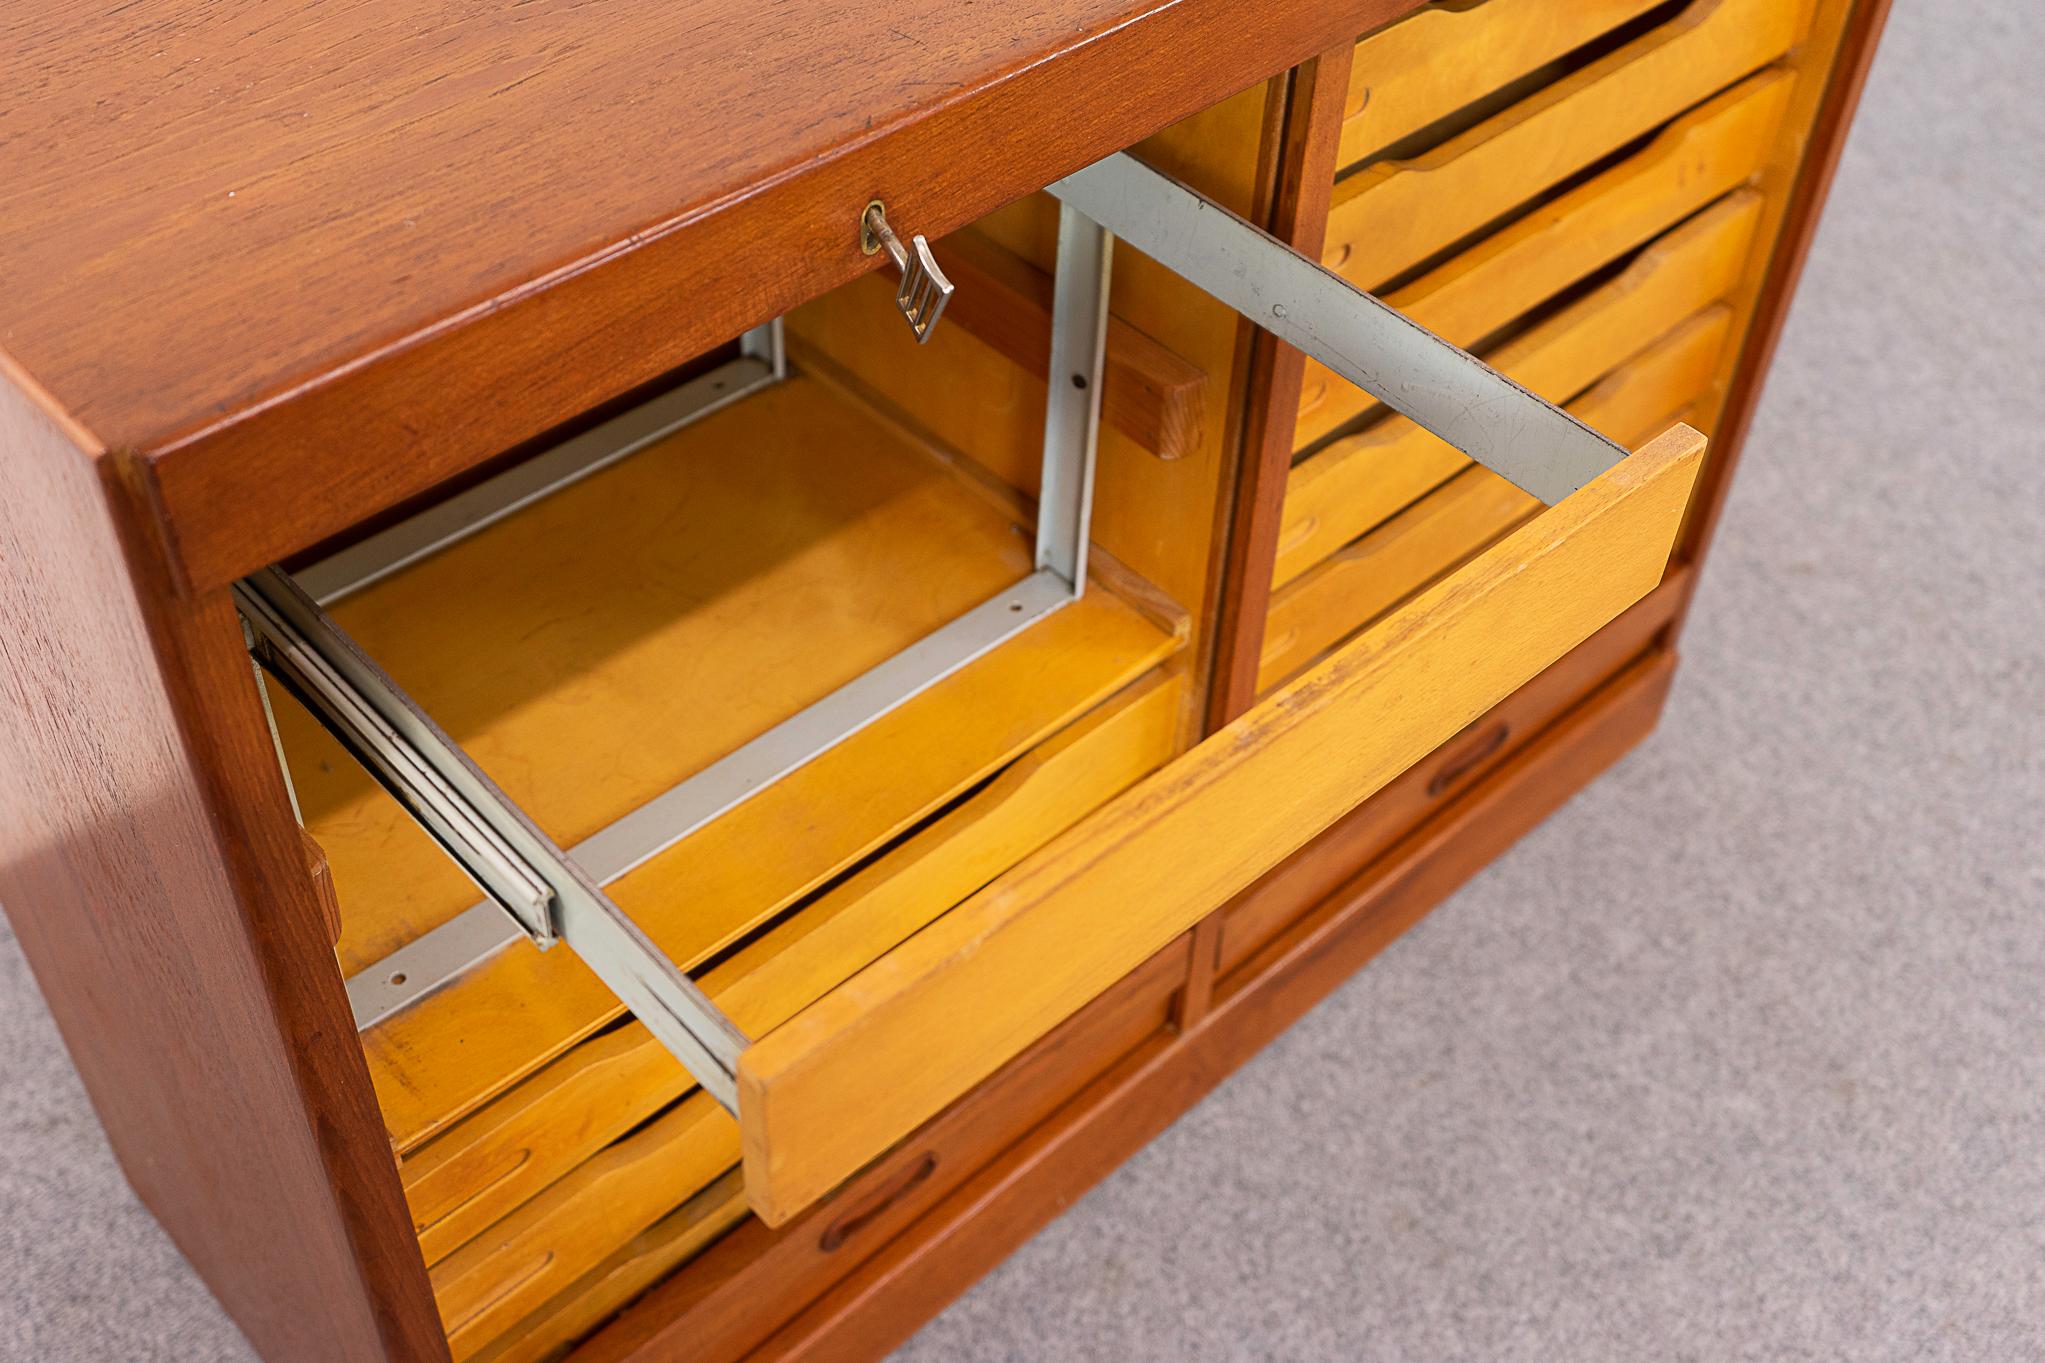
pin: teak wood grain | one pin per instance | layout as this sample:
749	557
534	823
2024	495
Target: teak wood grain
942	1253
823	1094
326	1278
161	894
322	876
309	262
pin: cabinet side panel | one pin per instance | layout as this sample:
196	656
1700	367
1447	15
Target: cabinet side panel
165	908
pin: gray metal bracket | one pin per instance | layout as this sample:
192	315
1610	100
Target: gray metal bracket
536	889
1521	437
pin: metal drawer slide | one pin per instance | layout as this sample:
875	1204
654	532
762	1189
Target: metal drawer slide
525	874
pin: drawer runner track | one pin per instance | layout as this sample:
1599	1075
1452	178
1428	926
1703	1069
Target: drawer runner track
544	893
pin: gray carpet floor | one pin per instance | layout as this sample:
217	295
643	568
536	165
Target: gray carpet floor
1740	1056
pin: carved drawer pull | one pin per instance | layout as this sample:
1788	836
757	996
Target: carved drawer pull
1472	757
856	1220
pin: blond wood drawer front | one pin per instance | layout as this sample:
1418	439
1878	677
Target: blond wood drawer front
1708	152
1473	506
1394	215
1426	67
835	1086
842	1081
498	1216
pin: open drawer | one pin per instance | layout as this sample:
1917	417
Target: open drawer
834	1085
847	1077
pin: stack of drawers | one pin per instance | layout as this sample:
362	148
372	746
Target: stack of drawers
1564	190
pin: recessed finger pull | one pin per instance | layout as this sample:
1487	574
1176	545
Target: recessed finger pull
924	290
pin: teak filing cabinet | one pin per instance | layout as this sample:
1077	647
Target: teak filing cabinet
671	667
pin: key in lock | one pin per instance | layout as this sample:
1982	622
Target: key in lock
924	290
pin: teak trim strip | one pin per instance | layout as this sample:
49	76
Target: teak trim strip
161	892
1313	126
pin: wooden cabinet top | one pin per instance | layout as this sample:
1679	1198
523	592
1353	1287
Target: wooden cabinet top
306	260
